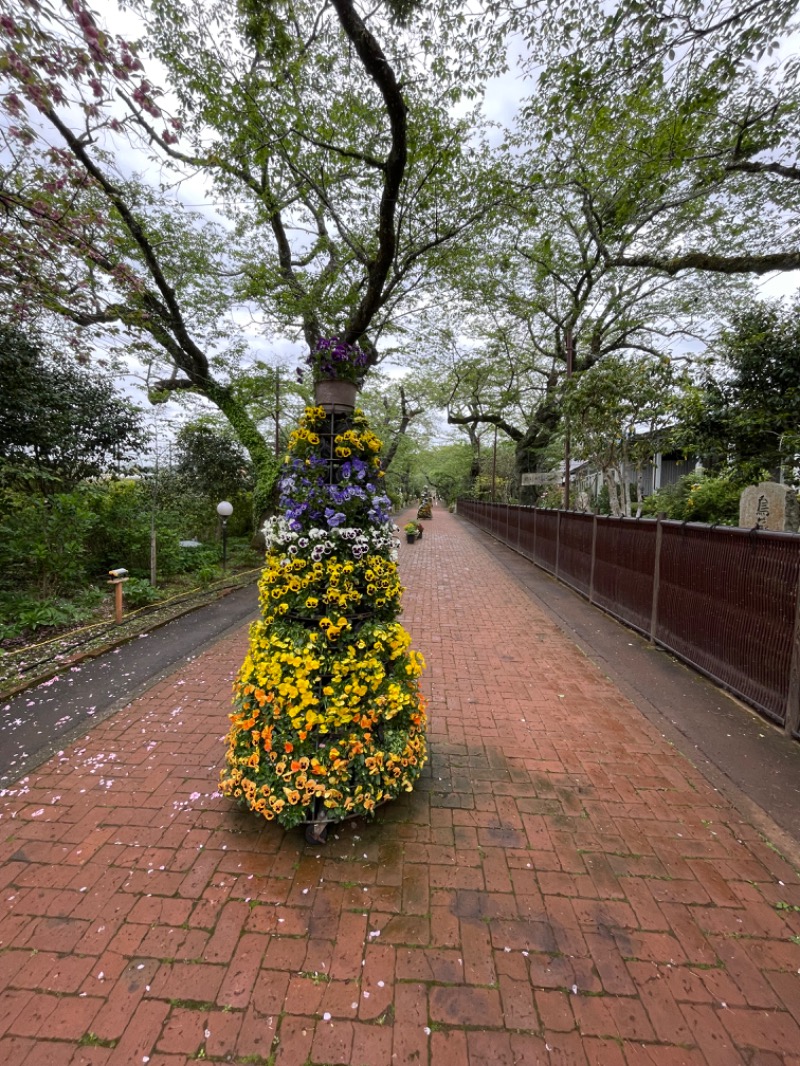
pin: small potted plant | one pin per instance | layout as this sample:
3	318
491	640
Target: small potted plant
338	371
412	530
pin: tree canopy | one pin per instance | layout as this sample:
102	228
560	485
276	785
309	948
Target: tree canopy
60	422
677	123
327	140
747	411
211	460
240	176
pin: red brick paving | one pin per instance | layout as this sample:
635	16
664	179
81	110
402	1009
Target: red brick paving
562	887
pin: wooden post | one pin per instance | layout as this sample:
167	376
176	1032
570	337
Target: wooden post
118	579
656	577
153	549
558	539
792	715
594	555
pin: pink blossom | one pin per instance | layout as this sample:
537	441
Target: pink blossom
13	104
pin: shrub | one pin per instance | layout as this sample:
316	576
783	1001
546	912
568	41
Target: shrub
697	497
44	541
22	613
138	592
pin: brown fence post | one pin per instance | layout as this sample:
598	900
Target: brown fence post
792	719
558	541
594	555
656	577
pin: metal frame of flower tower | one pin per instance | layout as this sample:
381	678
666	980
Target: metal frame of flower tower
329	720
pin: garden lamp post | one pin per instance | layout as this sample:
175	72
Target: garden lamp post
224	510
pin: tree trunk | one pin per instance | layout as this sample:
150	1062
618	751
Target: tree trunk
265	463
639	489
536	439
613	492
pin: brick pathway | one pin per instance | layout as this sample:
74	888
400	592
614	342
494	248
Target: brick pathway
563	888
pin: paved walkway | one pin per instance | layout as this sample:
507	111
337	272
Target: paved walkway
562	888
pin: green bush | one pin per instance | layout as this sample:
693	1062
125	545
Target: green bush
44	541
138	592
207	575
194	560
697	497
122	534
21	613
63	545
126	511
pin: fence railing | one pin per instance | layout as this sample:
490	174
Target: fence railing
723	600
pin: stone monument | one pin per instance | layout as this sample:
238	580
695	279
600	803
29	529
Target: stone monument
769	506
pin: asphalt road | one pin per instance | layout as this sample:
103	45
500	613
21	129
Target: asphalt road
48	717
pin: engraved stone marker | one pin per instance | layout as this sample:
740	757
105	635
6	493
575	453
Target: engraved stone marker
769	506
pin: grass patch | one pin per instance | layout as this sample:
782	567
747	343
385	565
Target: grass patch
314	976
193	1004
91	1039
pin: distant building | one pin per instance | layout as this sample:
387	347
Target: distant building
667	468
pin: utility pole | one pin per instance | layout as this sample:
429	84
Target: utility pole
277	411
568	352
153	508
494	467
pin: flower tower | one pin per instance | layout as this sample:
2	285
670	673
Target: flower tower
329	720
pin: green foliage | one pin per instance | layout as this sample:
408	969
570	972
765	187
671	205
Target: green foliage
602	504
45	541
59	422
122	537
666	121
207	573
128	509
211	460
699	497
55	550
550	497
138	592
329	142
620	413
748	416
22	612
444	468
38	614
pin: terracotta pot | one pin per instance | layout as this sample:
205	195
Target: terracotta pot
333	394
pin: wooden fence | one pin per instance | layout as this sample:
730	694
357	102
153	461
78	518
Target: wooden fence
723	600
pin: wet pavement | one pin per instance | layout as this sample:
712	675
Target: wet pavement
40	720
564	886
